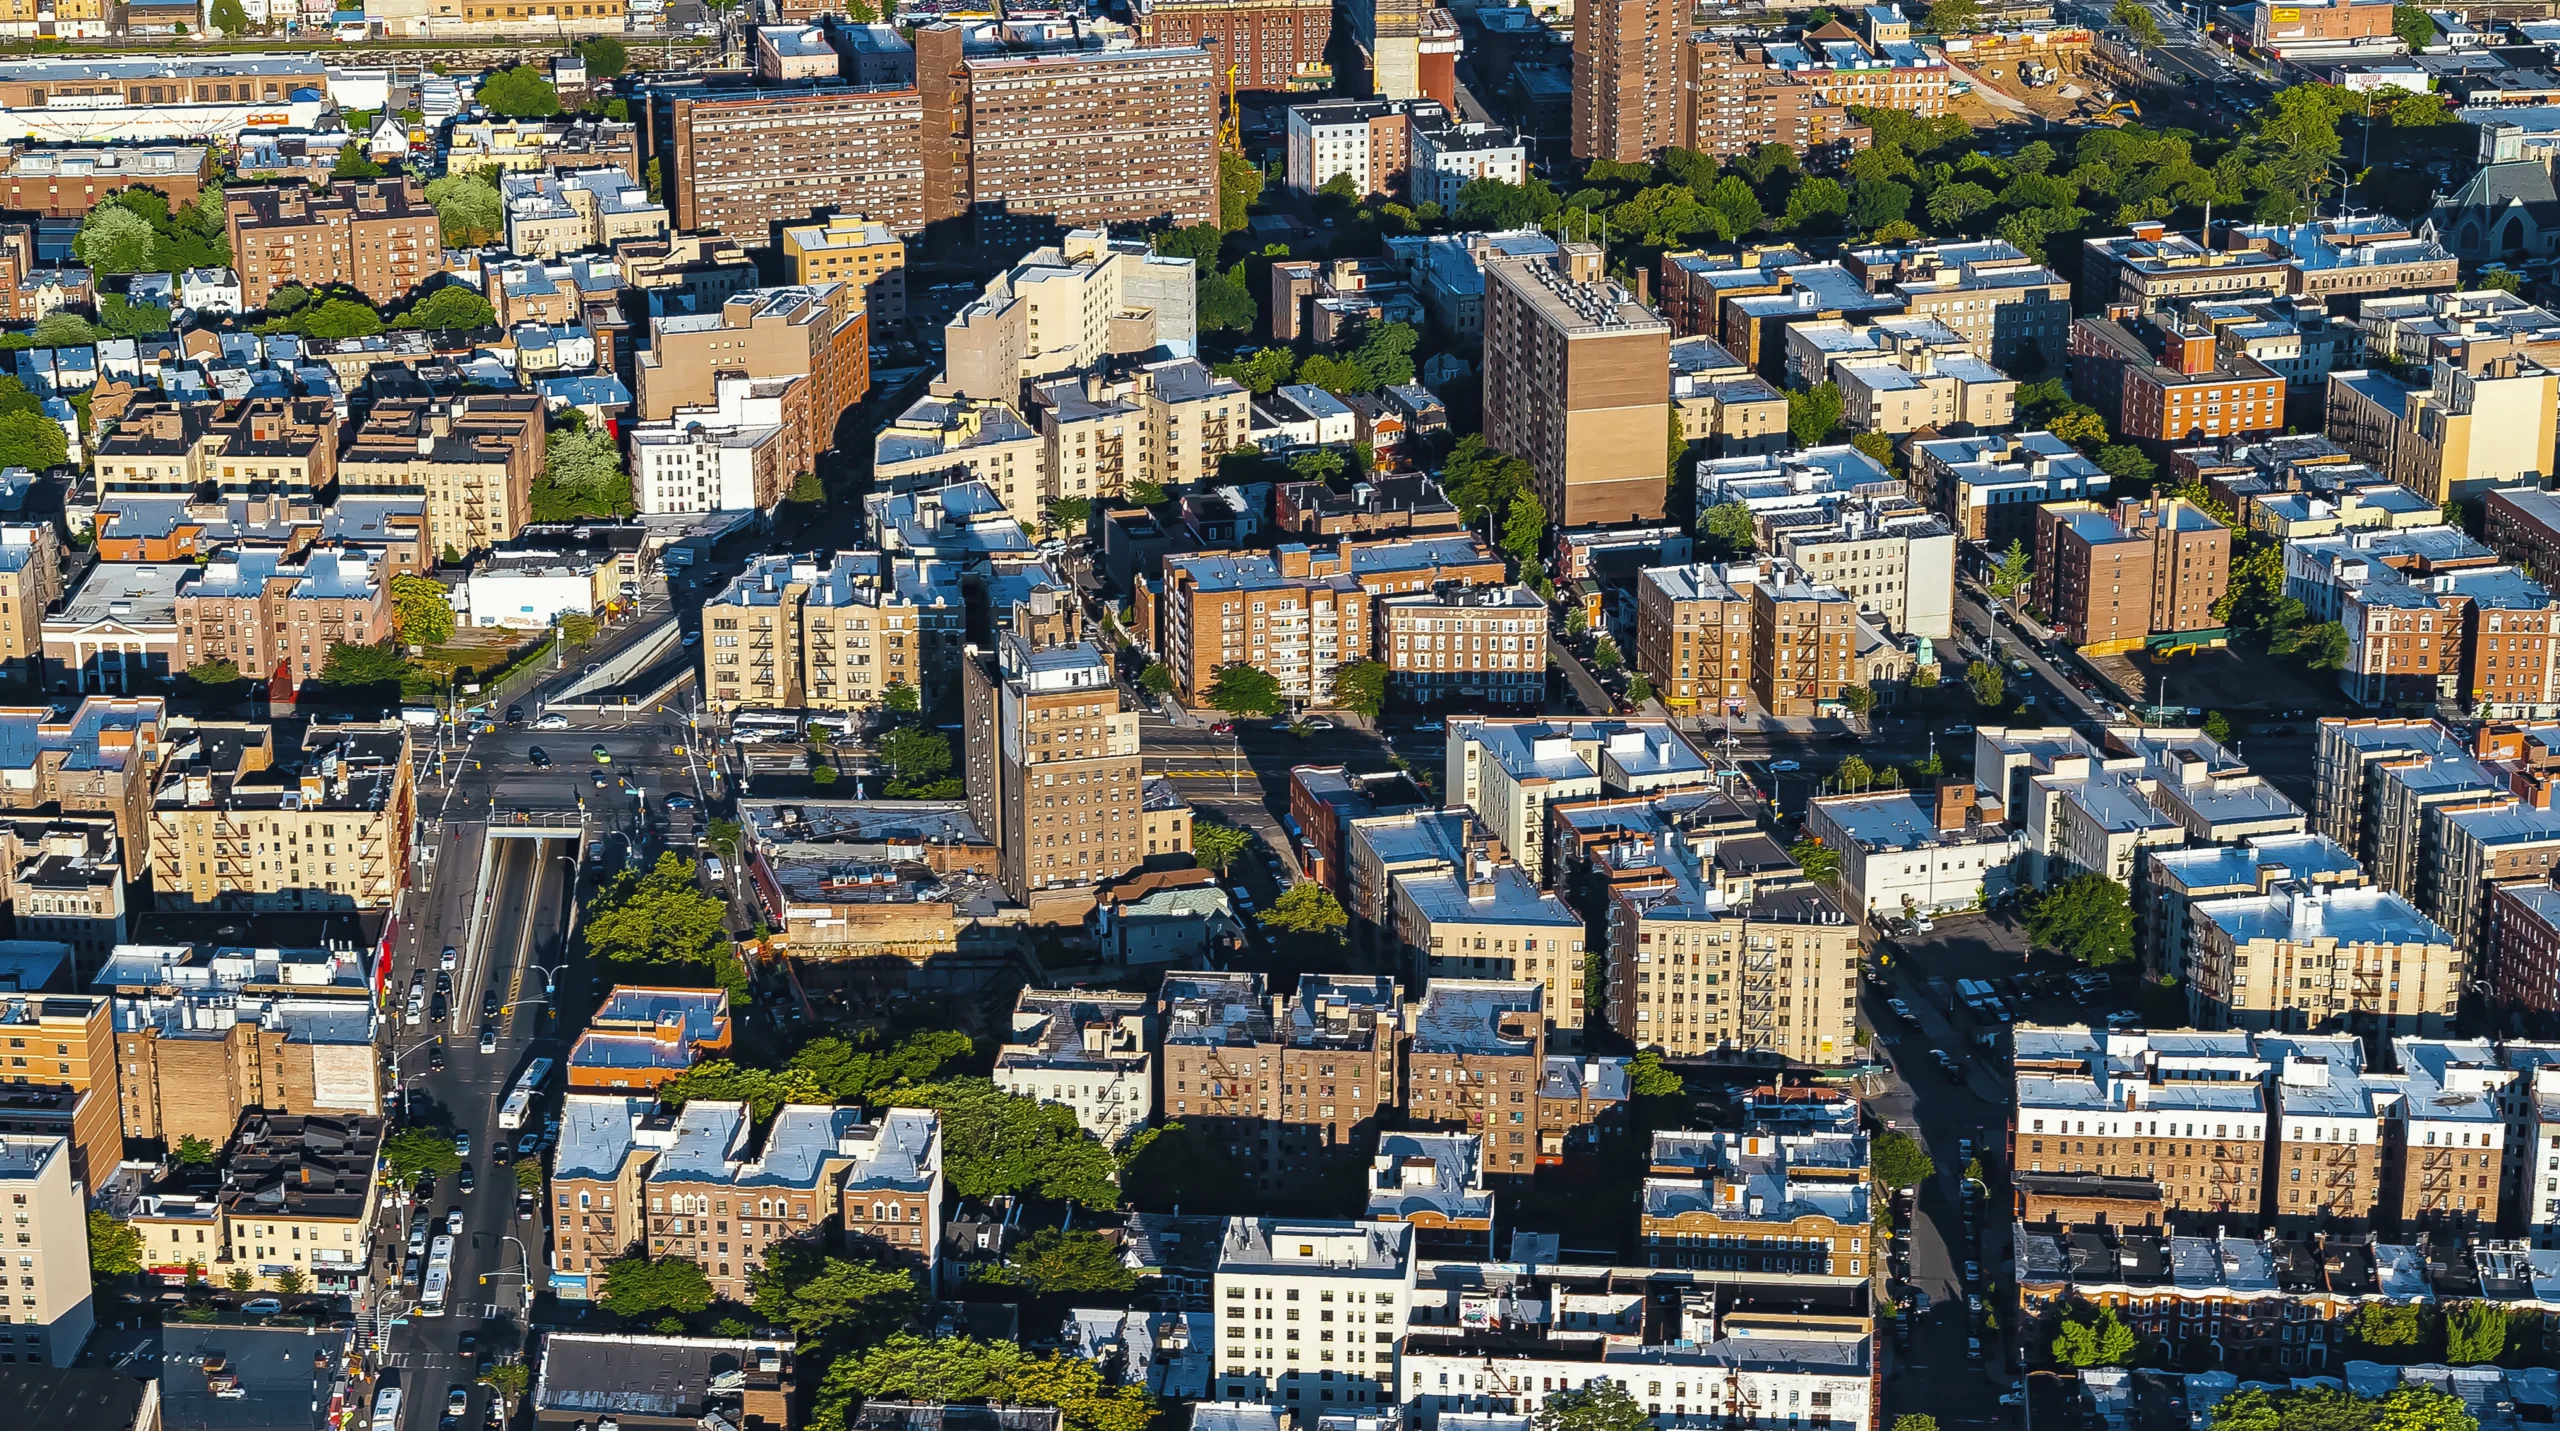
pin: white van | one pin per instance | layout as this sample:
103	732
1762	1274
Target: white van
717	872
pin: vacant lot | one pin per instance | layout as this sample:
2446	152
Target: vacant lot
2236	680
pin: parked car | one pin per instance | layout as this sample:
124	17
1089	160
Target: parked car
1903	1012
1784	767
261	1307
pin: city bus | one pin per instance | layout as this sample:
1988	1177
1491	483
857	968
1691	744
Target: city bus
386	1409
519	1104
439	1278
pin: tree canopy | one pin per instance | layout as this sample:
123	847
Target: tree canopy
582	476
450	307
657	919
115	1248
32	440
1242	689
2094	1336
520	93
994	1142
2089	917
638	1287
467	209
1598	1406
1215	846
964	1369
1361	687
830	1302
765	1091
350	666
1070	1260
856	1072
422	609
1899	1161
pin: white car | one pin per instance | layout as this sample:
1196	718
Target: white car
450	959
552	722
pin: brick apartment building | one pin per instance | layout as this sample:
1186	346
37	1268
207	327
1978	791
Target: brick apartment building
1274	44
2108	580
820	333
1577	380
103	759
276	620
473	458
1628	58
2187	1113
1803	645
715	1206
1759	1201
1220	1069
1693	637
1037	719
852	249
1475	1055
790	633
1339	1043
60	1076
31	580
341	805
68	183
1797	91
2167	380
739	163
266	447
378	236
1467	647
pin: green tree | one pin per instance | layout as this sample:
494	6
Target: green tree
1989	690
995	1143
2014	574
1950	204
963	1369
2094	1336
2504	279
115	1249
520	93
1858	700
1854	773
2217	727
1307	909
1178	1166
291	1283
115	239
1498	204
2322	647
241	1279
1953	17
1812	413
2088	917
657	918
851	1072
606	57
125	319
1156	679
449	308
466	208
2127	464
1144	493
2411	24
1239	189
638	1287
765	1091
916	755
2474	1332
1068	514
1818	860
1241	689
412	1153
230	18
830	1302
32	440
1224	301
335	318
197	1152
1920	1420
1728	525
1649	1077
350	665
1361	687
1216	846
508	1380
352	161
2389	1331
1598	1406
1639	688
1386	353
1262	370
2137	22
421	609
582	476
529	1176
1899	1161
2421	1408
1054	1261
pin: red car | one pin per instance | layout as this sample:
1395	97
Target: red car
1224	727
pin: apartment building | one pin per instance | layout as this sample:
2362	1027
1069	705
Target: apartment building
60	1078
737	161
298	1198
157	449
597	1190
882	1182
2315	957
1892	559
733	454
1628	59
270	447
1087	1051
1368	141
1299	612
2330	1121
1796	91
473	458
103	759
1274	44
1693	637
1100	298
2086	808
851	250
1339	1045
795	632
276	620
54	1314
1037	720
1989	487
1351	1282
2321	24
1489	921
579	141
1448	157
117	630
1475	1057
1165	423
68	183
1727	948
2183	1112
2109	581
1803	644
1912	383
1217	1070
2006	308
2165	379
1722	406
31	581
819	333
2465	432
1144	119
1510	771
238	825
1577	381
642	1037
1759	1200
1329	301
2151	269
63	877
942	440
1907	855
550	212
2172	880
378	236
1465	646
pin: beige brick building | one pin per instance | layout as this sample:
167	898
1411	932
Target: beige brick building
276	620
850	249
1166	423
2324	958
30	582
1803	645
713	1204
1759	1201
1577	380
1465	647
1693	637
789	633
1491	921
473	458
103	760
298	1199
1053	770
2186	1112
57	1060
243	826
49	1235
1703	958
818	332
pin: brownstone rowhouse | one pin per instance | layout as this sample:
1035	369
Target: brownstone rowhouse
1577	380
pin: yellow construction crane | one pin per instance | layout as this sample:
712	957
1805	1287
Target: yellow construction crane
1231	134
